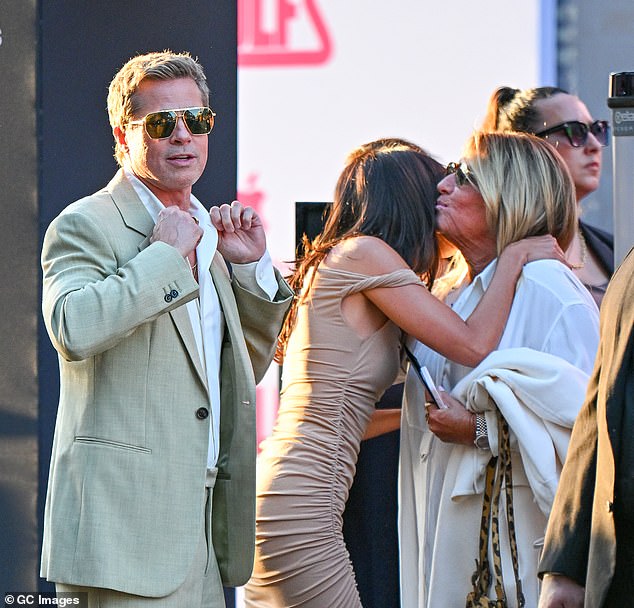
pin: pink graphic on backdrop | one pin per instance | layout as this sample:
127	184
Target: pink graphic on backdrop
252	196
267	400
267	392
282	33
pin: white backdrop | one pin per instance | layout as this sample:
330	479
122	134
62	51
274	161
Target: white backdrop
318	77
418	69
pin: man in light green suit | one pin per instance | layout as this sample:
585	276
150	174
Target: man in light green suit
151	486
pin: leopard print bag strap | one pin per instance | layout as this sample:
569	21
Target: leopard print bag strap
505	457
481	578
495	532
499	471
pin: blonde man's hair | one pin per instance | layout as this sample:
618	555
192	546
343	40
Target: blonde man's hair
165	65
526	187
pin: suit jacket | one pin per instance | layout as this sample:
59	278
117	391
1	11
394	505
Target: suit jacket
125	502
597	479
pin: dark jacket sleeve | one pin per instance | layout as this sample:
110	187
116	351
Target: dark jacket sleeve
595	483
567	539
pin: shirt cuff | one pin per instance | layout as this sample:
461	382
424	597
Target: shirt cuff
257	277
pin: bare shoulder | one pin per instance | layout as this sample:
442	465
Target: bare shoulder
366	255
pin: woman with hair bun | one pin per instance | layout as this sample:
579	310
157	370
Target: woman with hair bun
564	121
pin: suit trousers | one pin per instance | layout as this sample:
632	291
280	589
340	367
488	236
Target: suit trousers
202	588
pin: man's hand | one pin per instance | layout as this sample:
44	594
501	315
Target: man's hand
452	425
241	236
177	228
560	592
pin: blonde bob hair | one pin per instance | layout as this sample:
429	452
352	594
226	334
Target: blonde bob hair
526	187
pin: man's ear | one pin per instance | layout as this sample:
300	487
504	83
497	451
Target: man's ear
120	138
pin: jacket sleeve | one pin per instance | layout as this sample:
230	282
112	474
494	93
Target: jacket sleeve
582	517
567	539
261	321
98	287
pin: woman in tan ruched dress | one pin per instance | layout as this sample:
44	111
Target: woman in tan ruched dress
359	296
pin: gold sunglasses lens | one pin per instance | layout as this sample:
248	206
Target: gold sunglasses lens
159	125
200	121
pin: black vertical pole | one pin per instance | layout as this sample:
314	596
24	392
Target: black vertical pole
20	300
56	60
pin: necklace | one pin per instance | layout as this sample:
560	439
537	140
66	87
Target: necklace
193	268
584	253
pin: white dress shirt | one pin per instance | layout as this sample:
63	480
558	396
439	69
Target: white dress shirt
205	312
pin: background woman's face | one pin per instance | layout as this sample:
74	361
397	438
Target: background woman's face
584	163
461	218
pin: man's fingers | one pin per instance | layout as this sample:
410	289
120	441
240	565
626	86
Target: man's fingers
230	218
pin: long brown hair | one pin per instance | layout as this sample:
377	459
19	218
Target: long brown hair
387	189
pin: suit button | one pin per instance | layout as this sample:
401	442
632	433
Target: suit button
174	294
168	297
202	413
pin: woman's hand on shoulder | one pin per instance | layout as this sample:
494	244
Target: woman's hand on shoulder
533	248
366	255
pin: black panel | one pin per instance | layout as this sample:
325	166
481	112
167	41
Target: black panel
82	46
19	555
309	220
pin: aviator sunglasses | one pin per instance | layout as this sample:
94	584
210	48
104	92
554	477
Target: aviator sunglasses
161	124
577	132
462	173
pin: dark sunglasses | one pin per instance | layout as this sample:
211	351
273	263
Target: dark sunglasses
159	125
577	132
462	173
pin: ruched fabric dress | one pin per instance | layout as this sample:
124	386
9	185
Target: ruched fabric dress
332	379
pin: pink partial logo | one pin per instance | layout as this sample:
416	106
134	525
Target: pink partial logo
252	196
275	33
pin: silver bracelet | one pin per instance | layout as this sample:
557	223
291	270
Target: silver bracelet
481	440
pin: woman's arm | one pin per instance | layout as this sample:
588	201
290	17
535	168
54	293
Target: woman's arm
383	421
433	323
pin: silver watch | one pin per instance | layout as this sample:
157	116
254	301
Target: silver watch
481	440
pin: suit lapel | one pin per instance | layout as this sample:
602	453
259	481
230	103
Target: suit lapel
183	324
136	217
133	212
222	283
